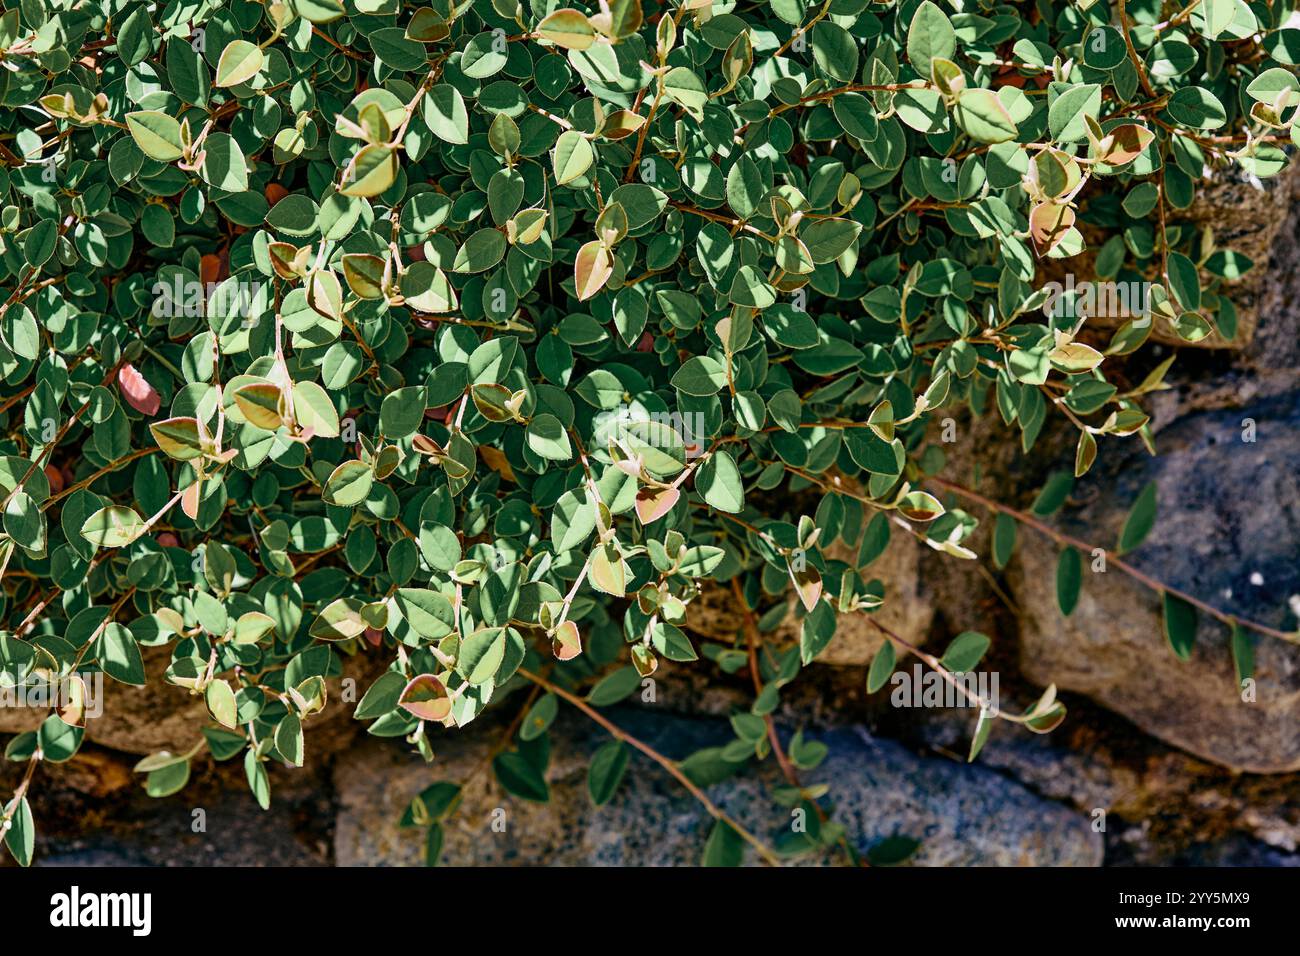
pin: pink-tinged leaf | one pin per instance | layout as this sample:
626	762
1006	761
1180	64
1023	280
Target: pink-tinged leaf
566	642
592	269
653	503
426	446
137	391
374	636
426	697
190	501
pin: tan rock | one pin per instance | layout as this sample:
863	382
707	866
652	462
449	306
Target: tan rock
162	716
1243	216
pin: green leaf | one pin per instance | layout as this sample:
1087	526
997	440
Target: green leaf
983	727
372	171
1215	17
119	655
718	481
539	717
179	438
340	620
827	239
40	243
314	410
608	765
240	61
567	28
1065	117
258	781
929	35
481	654
381	697
135	37
288	739
221	704
20	838
1069	578
348	485
965	651
1197	108
548	439
318	11
1243	654
157	134
700	376
446	114
59	742
167	780
1141	519
481	251
1180	626
1053	495
835	51
572	158
224	165
402	412
520	778
882	667
615	687
1004	539
981	114
112	527
683	87
893	851
725	847
24	522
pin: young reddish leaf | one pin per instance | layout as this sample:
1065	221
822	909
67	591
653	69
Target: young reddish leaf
426	697
592	269
653	503
137	391
566	642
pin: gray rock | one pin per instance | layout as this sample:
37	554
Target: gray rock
964	816
1227	530
1158	805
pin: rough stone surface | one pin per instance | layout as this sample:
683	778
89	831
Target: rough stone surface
1160	806
162	716
1226	531
93	811
1245	216
140	720
963	815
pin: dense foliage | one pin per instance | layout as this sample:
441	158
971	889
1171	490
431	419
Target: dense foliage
479	338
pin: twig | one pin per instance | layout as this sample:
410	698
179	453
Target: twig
764	851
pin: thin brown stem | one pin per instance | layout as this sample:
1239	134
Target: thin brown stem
764	851
1112	560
